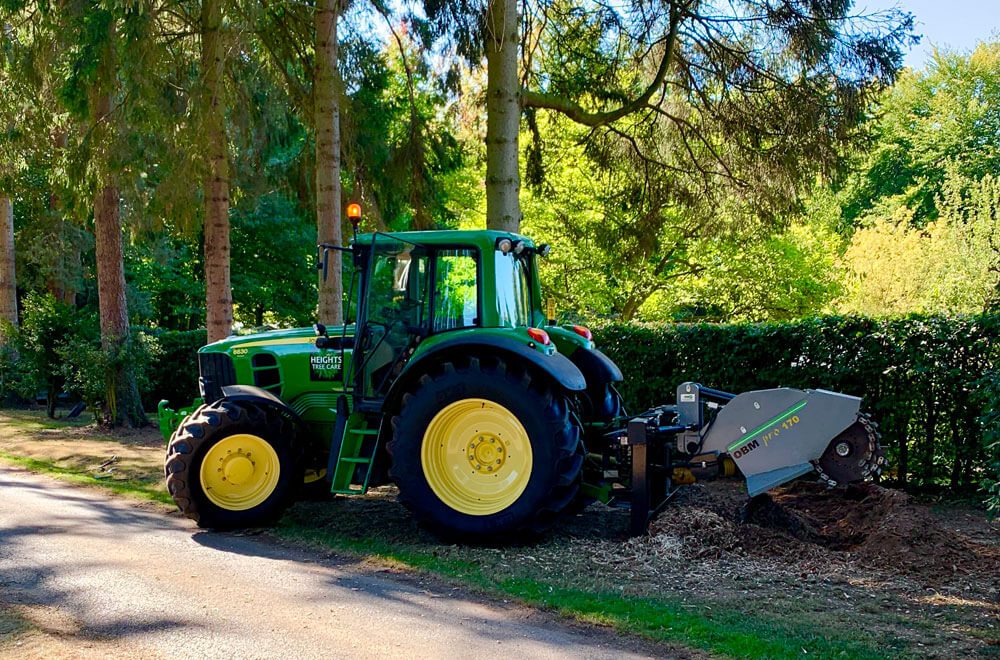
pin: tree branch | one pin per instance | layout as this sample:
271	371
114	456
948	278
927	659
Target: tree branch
581	116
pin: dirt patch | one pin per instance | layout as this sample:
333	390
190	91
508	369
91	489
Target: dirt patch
133	454
42	633
872	526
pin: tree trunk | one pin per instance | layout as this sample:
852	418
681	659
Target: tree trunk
327	119
930	433
633	302
123	405
8	282
503	117
218	292
903	455
67	268
51	399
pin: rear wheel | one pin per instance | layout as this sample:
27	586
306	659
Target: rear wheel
232	465
485	449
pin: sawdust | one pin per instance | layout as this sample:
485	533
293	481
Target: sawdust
871	526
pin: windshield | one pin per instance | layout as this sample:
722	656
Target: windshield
513	290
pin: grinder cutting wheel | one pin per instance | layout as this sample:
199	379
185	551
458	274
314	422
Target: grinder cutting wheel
854	455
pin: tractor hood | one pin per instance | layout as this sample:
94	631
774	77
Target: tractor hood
271	338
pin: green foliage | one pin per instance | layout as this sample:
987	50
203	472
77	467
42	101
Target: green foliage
172	371
57	350
273	271
85	367
989	387
784	275
399	148
951	264
949	112
619	250
167	282
33	363
922	377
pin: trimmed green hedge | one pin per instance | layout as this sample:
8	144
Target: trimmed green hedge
933	383
173	368
928	380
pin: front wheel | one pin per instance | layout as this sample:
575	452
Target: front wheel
232	465
485	450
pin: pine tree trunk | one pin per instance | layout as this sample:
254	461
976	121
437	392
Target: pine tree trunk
66	272
123	404
503	117
8	282
327	119
218	292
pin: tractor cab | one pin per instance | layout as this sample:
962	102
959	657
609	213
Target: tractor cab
433	288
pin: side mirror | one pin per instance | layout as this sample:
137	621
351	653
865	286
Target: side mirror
319	329
322	260
323	256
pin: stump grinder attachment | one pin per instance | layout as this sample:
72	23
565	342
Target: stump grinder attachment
770	436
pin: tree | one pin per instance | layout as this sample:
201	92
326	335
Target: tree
951	264
326	94
949	112
272	249
761	85
124	405
503	117
28	54
218	292
8	281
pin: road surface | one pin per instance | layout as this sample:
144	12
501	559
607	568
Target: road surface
103	576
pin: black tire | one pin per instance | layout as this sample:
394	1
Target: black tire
602	403
554	434
210	424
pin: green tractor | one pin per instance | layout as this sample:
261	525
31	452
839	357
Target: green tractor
449	383
454	383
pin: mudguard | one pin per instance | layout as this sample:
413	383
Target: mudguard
559	367
596	366
264	399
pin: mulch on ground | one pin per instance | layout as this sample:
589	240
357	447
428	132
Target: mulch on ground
870	525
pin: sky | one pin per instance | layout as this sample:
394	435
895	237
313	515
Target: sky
955	24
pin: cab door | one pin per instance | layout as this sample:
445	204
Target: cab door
395	313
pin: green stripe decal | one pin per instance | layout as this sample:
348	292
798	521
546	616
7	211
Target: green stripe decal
777	420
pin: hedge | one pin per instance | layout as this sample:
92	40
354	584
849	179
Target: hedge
932	382
173	368
929	381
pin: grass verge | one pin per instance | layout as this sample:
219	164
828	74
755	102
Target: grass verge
146	489
719	630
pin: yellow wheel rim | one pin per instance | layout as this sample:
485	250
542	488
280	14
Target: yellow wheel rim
476	457
240	472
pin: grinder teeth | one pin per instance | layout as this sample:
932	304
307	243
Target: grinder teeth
871	464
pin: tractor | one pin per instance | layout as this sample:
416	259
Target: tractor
452	380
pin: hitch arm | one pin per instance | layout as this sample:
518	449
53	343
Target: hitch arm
651	481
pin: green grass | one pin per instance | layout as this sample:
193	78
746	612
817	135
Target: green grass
720	630
27	420
11	626
142	488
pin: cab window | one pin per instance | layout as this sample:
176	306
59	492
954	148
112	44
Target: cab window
456	294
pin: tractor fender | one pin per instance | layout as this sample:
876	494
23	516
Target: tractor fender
596	366
264	399
559	367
